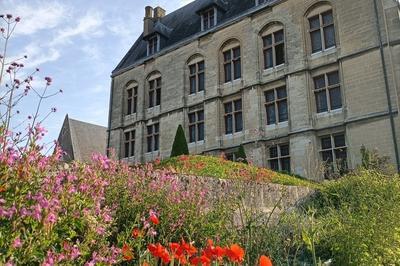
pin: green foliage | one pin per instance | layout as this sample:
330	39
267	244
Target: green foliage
219	167
241	155
179	147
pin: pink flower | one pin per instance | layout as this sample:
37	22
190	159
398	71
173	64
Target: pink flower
17	19
17	243
51	218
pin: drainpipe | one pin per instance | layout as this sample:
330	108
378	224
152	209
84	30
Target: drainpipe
109	117
387	90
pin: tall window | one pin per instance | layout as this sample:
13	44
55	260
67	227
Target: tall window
274	49
129	144
276	106
322	31
327	92
196	77
196	126
232	64
334	153
152	45
154	92
153	134
279	158
209	19
132	94
233	117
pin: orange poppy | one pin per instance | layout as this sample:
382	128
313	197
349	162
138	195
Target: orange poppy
145	263
136	232
235	253
127	253
265	261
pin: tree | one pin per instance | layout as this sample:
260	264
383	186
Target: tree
241	155
180	146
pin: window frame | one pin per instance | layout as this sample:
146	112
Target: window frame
154	92
196	126
279	158
276	102
334	169
319	12
273	46
327	88
196	75
233	114
153	137
232	62
153	45
131	99
206	17
129	143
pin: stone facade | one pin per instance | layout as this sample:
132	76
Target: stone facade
364	118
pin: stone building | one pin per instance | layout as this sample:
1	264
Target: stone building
297	82
79	140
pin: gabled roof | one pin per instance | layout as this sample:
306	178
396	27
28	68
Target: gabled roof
79	140
185	23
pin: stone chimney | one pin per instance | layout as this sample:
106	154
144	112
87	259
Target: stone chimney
148	21
159	13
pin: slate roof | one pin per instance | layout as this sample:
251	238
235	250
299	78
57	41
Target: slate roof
80	140
185	23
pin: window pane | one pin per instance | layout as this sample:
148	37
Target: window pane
236	52
320	99
327	156
278	36
283	112
156	143
273	152
314	22
132	153
158	82
268	58
192	134
201	66
200	116
200	133
238	69
227	56
326	143
211	16
129	111
192	85
285	164
274	165
126	152
270	96
284	150
149	130
333	78
156	128
271	117
335	98
135	104
316	42
329	34
238	122
192	118
149	144
151	98
158	97
341	160
205	21
129	93
267	40
327	18
192	69
228	124
201	82
228	72
319	82
152	84
280	54
228	108
281	93
339	141
238	105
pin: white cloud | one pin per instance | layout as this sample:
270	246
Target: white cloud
185	2
35	16
38	55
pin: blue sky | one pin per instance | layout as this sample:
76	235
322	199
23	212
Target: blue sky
77	43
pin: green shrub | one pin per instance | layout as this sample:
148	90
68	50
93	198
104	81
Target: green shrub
179	147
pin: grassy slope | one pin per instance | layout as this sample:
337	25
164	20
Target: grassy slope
220	168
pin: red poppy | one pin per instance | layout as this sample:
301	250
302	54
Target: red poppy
160	252
188	248
202	260
214	252
154	219
127	253
136	232
265	261
235	253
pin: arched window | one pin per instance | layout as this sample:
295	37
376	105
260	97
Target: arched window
196	67
321	27
273	43
154	89
131	97
231	58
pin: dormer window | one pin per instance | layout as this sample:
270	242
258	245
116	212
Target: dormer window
153	45
208	19
260	2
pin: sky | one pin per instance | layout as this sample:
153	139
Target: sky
77	43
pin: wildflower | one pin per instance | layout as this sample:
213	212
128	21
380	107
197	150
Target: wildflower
51	218
37	69
53	109
2	30
9	16
17	19
127	252
265	261
17	243
235	253
154	219
159	251
203	260
136	232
